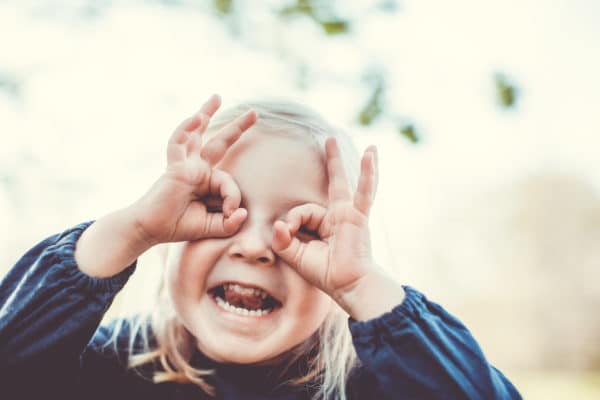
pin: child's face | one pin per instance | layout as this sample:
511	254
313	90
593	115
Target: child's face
274	174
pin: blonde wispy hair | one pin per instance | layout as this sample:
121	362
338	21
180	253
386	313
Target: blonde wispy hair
162	340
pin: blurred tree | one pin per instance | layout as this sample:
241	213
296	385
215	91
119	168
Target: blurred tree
506	92
374	107
409	132
327	17
223	7
319	11
324	14
10	85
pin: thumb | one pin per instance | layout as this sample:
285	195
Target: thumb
202	224
217	225
288	247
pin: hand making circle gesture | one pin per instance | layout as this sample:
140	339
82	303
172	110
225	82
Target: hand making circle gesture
174	208
342	255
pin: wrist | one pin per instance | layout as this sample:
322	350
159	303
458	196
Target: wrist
371	296
110	244
134	231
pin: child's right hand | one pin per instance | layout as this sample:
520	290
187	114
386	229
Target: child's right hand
175	208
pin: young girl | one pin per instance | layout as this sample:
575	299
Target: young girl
270	290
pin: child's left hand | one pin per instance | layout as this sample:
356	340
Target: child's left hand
339	261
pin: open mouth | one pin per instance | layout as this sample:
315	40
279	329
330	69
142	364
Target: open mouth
244	300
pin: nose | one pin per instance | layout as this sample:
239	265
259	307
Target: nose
253	245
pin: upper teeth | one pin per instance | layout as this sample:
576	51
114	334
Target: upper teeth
246	291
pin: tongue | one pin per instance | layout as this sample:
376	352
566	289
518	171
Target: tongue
250	302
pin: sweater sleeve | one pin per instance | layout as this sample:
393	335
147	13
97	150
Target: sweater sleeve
49	311
420	351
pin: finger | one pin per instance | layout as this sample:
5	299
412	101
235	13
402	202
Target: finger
222	183
218	225
175	152
215	149
205	114
365	191
288	247
198	120
308	215
199	124
201	224
211	106
183	129
338	183
203	124
376	154
184	132
194	143
282	236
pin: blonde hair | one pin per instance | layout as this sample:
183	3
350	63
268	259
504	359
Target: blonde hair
330	356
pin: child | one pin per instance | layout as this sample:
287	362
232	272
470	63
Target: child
270	290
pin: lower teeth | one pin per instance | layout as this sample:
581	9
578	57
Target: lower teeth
242	311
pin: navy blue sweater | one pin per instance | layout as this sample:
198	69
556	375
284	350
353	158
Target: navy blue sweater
51	345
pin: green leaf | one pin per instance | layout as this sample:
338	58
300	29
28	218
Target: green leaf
369	113
223	7
506	92
321	13
373	108
409	132
304	7
335	27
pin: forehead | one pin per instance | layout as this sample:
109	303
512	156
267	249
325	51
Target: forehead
281	168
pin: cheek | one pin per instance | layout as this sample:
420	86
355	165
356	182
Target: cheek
312	305
188	265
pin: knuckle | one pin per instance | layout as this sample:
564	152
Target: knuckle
299	255
206	227
234	134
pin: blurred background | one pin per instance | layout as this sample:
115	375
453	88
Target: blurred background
486	115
